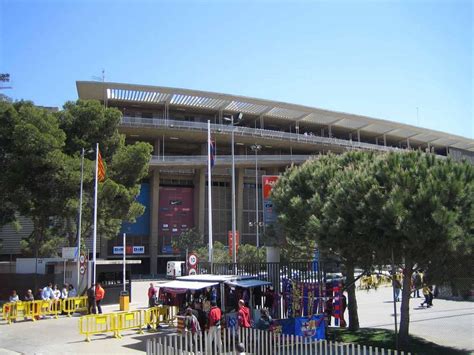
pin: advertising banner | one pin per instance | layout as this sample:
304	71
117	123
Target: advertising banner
269	213
231	242
309	327
175	214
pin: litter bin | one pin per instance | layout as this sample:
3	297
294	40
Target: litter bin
124	300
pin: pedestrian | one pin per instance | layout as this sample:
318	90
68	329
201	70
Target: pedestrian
13	297
240	348
343	310
99	296
29	296
64	292
215	315
417	283
71	291
152	302
56	293
265	321
243	315
191	322
47	292
213	294
428	296
397	286
91	300
152	296
269	297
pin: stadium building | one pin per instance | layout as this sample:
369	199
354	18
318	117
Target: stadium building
270	137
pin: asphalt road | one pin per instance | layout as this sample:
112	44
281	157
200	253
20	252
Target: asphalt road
449	323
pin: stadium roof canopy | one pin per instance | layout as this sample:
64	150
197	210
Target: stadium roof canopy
208	101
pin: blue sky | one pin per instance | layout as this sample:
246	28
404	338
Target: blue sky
377	58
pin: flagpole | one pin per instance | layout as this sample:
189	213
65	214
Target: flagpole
94	234
209	189
78	252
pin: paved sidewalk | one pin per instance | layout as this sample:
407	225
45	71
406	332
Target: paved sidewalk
449	323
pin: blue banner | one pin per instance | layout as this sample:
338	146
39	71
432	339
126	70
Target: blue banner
309	327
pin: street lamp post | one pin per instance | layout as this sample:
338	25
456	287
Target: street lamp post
256	148
234	234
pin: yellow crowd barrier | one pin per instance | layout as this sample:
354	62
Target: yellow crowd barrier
120	321
171	315
129	320
33	310
97	324
74	304
6	310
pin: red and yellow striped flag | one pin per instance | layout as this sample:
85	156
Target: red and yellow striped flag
100	169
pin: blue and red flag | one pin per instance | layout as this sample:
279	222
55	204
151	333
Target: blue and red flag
213	152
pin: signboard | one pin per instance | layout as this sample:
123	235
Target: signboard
192	260
231	242
138	250
83	264
129	250
69	253
269	213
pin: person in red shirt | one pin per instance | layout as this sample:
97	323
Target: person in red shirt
99	296
215	315
152	296
244	315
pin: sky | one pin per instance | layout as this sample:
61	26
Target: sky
382	59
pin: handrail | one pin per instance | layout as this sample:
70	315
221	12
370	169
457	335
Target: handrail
254	132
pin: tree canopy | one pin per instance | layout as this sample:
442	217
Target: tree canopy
365	207
40	155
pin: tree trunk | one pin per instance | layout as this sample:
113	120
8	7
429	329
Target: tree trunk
351	299
405	308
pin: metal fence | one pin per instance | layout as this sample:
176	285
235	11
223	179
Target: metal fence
253	341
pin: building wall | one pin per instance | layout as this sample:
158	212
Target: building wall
10	237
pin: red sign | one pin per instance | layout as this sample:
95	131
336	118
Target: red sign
268	181
231	244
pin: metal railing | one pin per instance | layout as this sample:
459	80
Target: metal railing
254	132
224	160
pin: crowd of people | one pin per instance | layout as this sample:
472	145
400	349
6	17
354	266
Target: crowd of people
202	311
49	292
417	283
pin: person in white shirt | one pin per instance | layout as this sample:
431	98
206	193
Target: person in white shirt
64	292
56	293
13	297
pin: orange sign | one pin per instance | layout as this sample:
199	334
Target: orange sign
231	242
268	182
